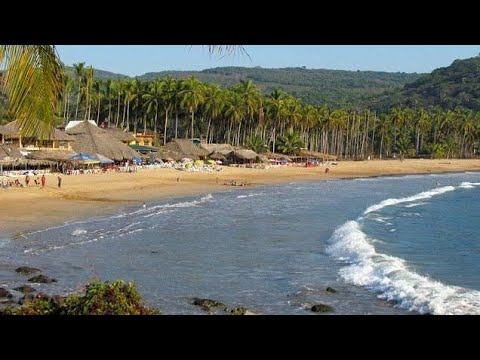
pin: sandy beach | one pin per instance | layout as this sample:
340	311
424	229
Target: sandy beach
82	196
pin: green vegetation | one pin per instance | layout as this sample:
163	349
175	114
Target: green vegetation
32	81
457	85
290	143
242	115
106	298
336	88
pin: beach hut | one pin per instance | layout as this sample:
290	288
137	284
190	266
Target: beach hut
245	155
91	139
186	148
125	137
58	156
11	134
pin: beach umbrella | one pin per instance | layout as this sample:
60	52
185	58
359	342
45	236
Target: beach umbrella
104	159
82	157
137	160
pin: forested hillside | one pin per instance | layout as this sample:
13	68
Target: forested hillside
457	85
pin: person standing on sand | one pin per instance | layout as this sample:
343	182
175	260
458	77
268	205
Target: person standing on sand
42	180
59	181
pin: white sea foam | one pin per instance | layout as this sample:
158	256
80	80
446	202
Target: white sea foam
77	232
423	195
390	276
468	185
416	204
247	196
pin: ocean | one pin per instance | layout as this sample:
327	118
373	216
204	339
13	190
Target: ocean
387	245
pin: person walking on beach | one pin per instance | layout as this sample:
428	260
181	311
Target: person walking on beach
59	181
27	180
42	180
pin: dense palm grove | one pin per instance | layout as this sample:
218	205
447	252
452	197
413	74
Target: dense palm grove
242	116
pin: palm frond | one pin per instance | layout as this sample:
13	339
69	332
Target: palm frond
228	50
33	84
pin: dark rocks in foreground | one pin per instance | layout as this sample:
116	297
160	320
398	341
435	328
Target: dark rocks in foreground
25	270
321	308
26	289
330	290
212	307
239	310
5	293
207	304
41	279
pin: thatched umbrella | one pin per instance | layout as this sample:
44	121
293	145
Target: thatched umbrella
91	139
263	158
245	154
222	148
186	148
318	155
217	156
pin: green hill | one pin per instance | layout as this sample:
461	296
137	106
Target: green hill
457	85
100	74
336	88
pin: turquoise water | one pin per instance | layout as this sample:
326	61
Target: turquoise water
394	245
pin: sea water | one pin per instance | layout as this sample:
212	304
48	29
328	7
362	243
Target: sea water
387	245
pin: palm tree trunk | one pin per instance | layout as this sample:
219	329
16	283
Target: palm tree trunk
192	123
98	111
165	130
176	123
78	99
118	111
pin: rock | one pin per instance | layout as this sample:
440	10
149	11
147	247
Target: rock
239	311
41	279
330	290
206	304
25	270
26	289
5	294
321	308
58	300
26	297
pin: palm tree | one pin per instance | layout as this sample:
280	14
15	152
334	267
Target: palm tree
276	110
79	73
168	88
33	85
193	95
256	144
290	143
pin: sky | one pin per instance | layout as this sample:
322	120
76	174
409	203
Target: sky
136	60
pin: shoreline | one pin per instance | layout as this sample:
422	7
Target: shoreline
85	196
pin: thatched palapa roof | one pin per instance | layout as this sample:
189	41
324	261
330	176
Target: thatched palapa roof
8	131
271	155
245	154
119	134
12	130
9	152
90	139
318	155
56	155
186	148
224	149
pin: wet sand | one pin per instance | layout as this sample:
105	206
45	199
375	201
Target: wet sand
82	196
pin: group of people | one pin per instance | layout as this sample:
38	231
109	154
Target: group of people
38	182
42	181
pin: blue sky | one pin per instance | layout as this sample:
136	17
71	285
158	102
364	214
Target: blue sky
136	60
